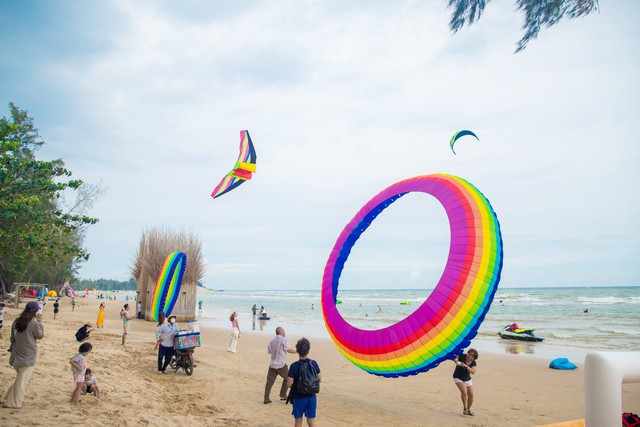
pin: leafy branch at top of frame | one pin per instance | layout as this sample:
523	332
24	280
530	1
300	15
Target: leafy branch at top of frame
537	14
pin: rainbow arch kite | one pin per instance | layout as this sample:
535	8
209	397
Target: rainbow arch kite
242	171
168	284
450	317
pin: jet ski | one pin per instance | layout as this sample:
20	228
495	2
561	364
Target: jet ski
513	332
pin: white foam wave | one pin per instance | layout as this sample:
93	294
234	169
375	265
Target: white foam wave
633	332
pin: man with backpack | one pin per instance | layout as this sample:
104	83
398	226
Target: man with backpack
304	380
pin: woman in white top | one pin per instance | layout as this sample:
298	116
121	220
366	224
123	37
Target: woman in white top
235	332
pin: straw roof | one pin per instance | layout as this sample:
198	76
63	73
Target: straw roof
157	243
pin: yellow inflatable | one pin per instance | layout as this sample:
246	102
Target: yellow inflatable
52	294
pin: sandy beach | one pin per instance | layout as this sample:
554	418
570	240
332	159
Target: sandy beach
226	389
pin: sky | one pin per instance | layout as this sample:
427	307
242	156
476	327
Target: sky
342	99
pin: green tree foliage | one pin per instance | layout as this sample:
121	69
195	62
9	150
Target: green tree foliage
537	14
105	285
40	240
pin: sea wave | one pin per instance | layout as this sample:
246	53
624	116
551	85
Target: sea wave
632	332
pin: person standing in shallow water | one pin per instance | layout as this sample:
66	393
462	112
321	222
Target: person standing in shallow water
26	330
278	348
465	366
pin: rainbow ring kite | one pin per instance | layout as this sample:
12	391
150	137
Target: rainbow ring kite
449	318
168	285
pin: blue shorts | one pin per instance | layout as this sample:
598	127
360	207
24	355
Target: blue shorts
304	405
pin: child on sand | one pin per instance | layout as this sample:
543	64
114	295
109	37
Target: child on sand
91	384
78	369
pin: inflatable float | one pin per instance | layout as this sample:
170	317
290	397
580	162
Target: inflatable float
562	363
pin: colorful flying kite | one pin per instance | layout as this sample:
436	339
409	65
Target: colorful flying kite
168	285
242	171
458	135
450	317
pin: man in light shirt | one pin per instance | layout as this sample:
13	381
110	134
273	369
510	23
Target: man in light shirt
278	348
164	342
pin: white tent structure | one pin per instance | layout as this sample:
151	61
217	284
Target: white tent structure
605	372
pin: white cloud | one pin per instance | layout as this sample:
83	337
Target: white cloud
343	100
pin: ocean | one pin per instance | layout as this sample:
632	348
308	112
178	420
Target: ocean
556	314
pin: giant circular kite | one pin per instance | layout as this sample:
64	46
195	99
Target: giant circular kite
168	285
450	317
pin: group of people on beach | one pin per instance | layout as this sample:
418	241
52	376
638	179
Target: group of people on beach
306	404
300	381
262	312
303	399
26	330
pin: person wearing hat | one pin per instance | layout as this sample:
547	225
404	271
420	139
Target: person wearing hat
26	330
164	341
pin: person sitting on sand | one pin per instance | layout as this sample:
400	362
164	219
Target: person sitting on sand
83	332
466	364
90	384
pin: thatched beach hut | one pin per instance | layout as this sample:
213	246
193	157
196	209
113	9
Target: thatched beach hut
155	245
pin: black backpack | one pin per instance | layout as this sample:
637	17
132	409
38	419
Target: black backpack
307	382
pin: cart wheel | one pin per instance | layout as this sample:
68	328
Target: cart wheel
188	365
